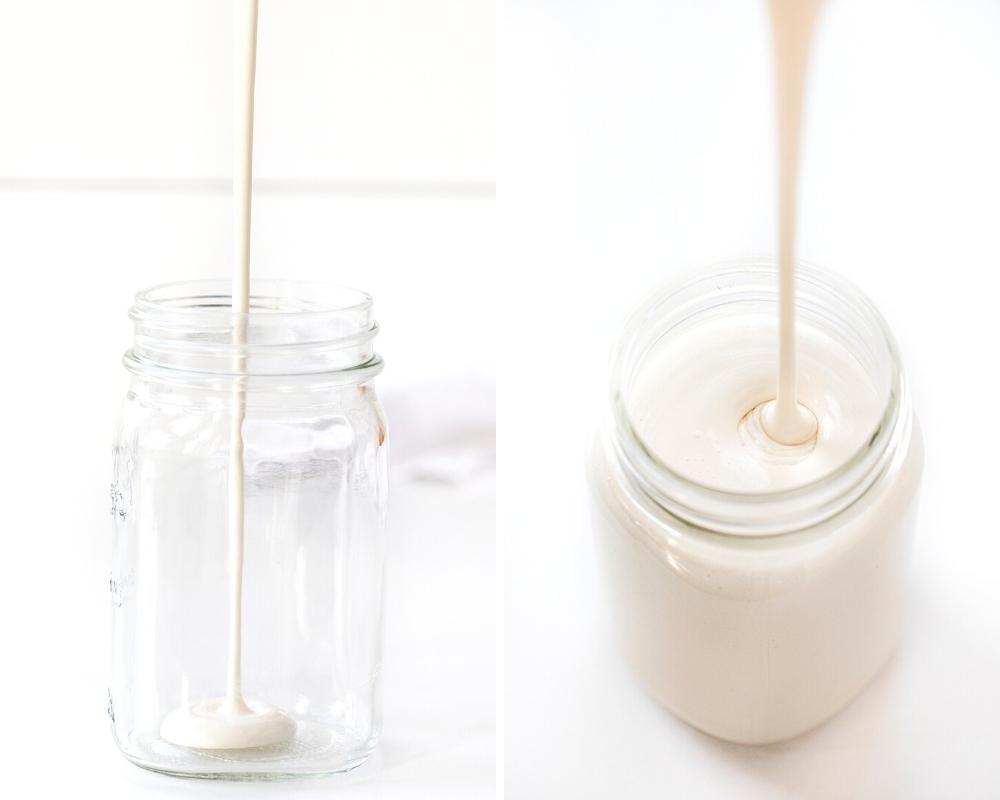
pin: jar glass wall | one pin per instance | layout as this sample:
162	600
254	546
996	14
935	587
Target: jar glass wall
315	495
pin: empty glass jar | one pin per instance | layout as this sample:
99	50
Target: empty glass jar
315	447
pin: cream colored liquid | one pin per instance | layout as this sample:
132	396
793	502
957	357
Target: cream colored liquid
711	435
233	722
792	23
756	640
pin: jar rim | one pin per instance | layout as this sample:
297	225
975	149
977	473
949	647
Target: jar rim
163	299
769	512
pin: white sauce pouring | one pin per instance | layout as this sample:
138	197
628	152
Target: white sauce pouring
233	722
786	420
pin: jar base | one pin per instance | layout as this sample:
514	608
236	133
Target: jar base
347	766
315	750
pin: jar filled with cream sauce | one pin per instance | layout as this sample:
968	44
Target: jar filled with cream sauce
755	589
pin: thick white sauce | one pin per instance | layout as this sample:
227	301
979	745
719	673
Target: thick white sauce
696	404
788	420
232	721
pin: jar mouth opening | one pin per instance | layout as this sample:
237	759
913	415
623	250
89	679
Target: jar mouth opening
292	328
277	299
769	511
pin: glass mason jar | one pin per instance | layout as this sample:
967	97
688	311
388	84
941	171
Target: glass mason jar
755	616
314	462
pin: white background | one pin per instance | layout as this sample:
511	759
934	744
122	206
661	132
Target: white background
635	143
375	168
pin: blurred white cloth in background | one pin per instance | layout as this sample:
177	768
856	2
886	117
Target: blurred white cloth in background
443	430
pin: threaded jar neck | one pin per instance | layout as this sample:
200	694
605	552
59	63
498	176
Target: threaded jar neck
185	330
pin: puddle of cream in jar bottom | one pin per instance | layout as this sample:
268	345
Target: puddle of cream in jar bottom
211	725
697	400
